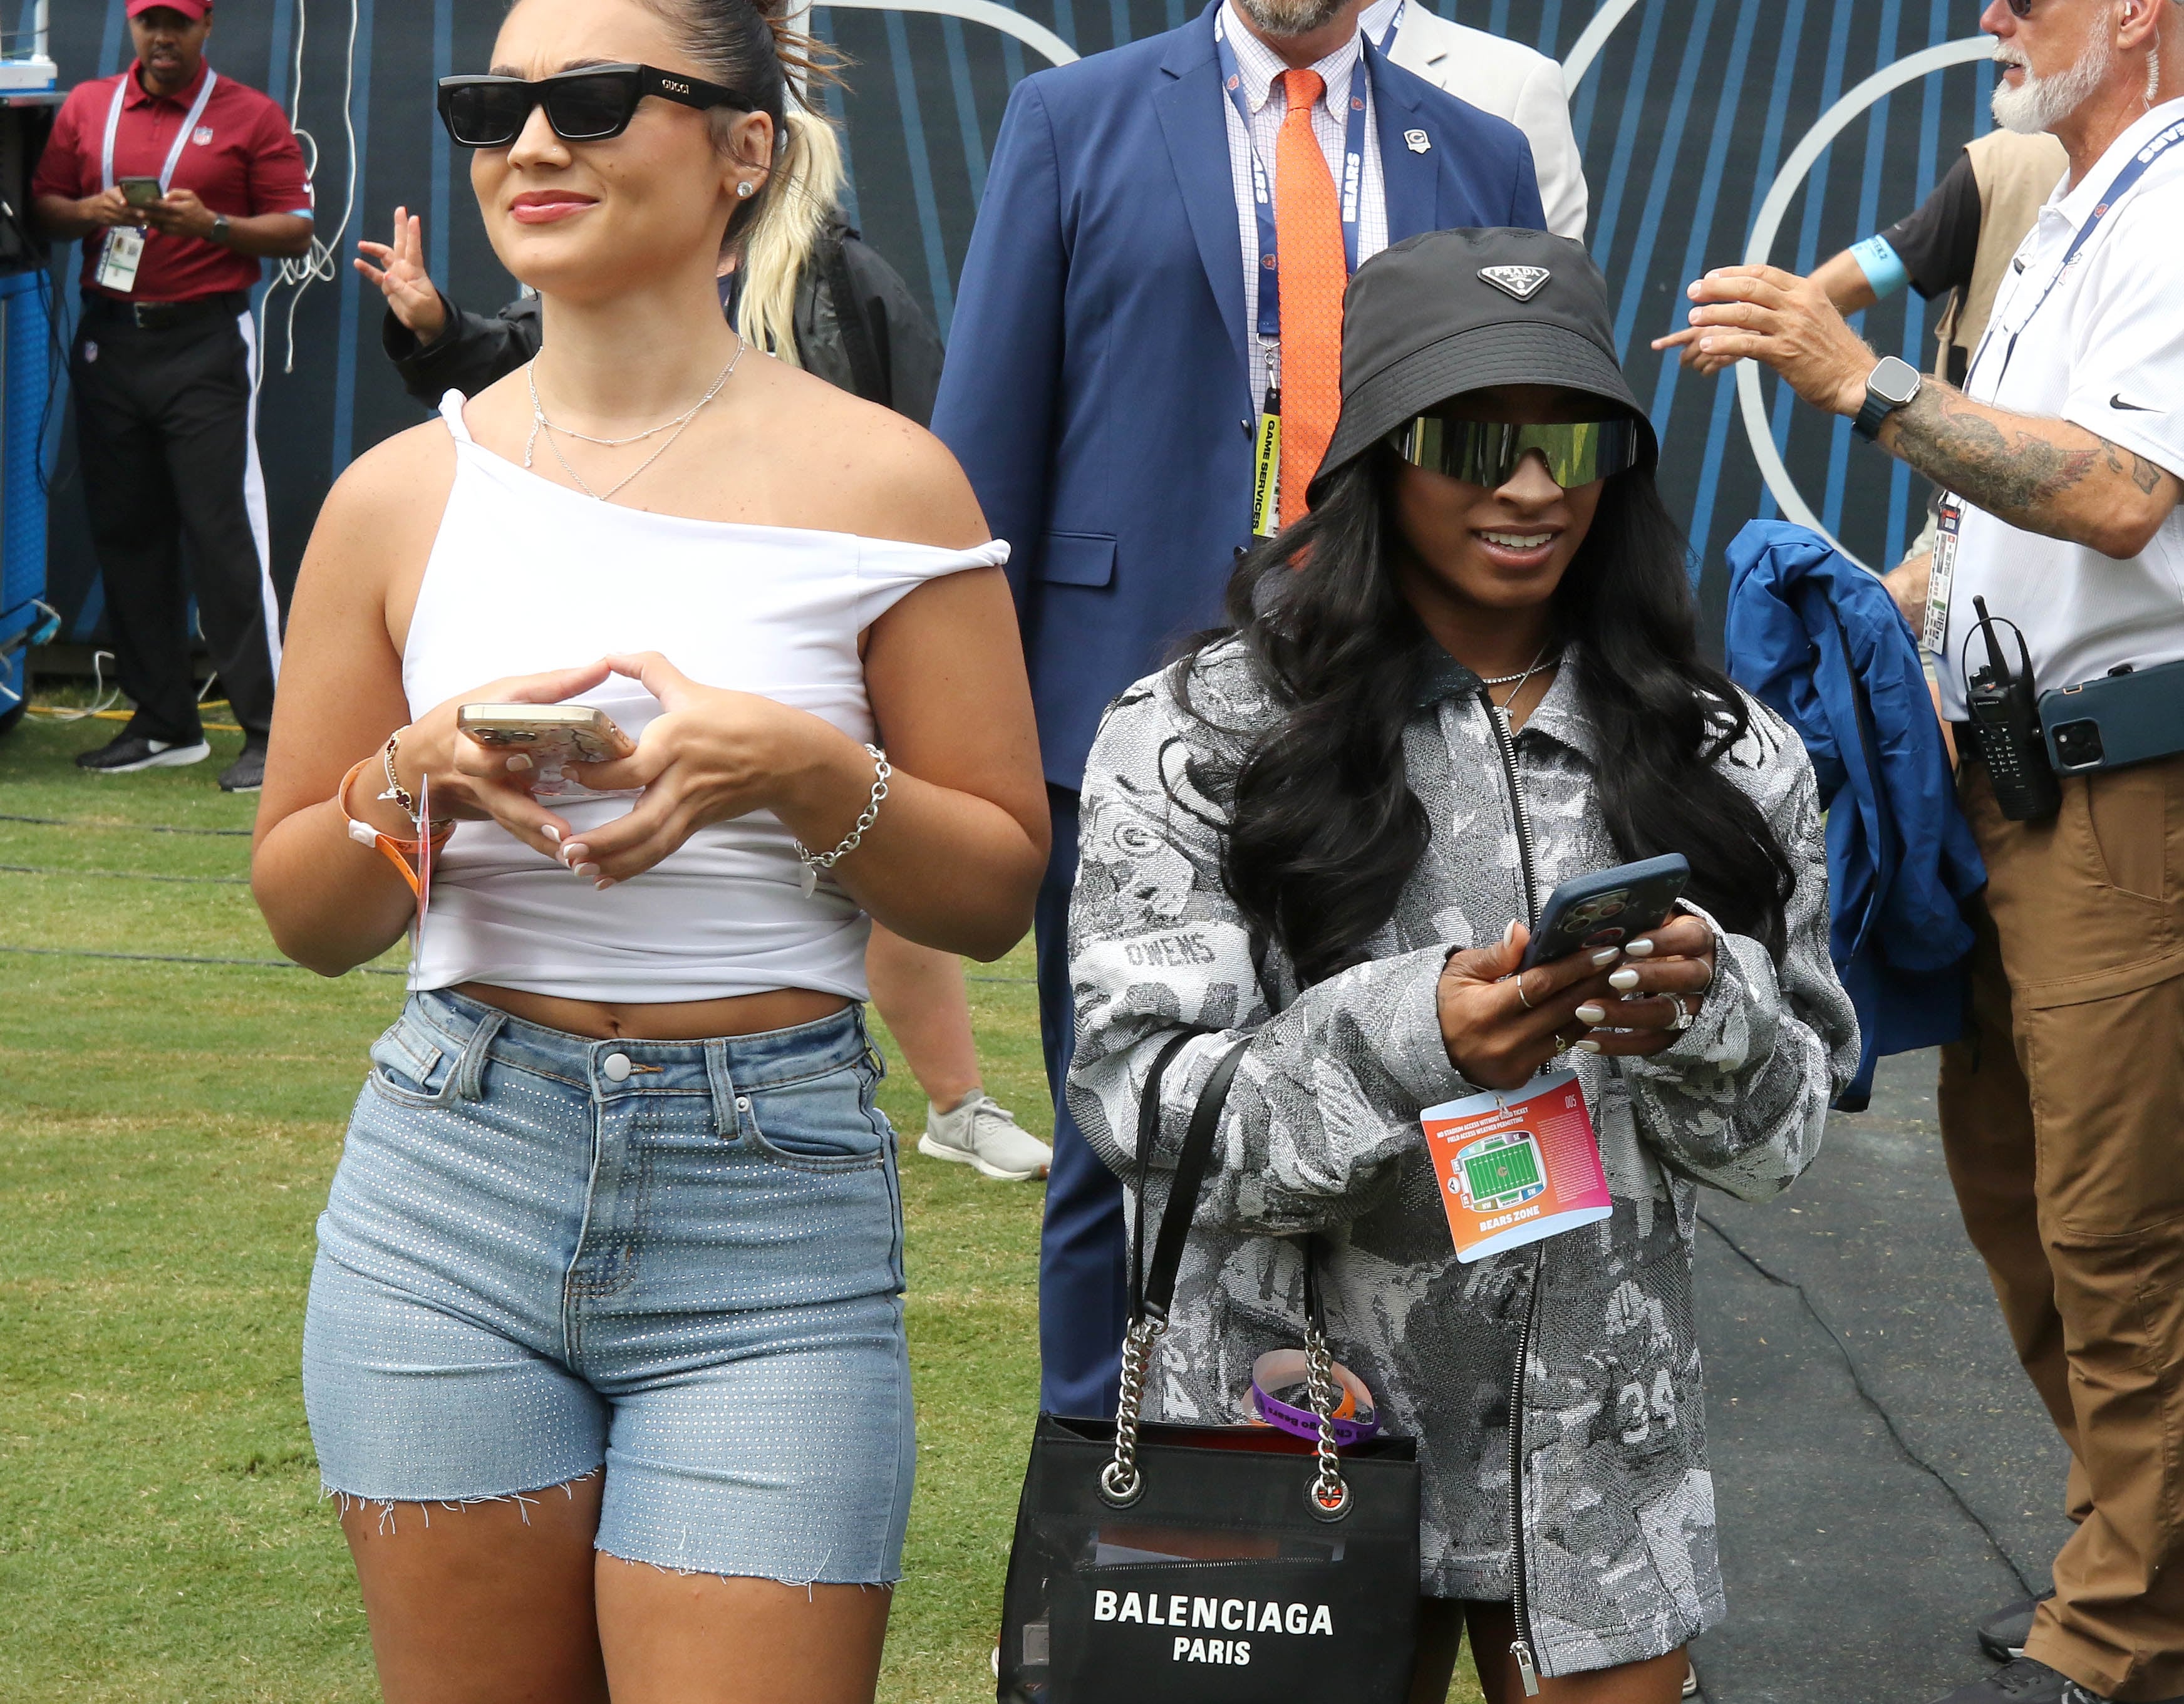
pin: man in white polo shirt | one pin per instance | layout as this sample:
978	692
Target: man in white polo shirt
2063	1107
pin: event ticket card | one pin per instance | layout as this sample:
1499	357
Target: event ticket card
1517	1168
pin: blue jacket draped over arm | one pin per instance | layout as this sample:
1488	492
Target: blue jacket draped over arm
1818	639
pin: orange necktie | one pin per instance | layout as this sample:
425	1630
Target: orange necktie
1308	227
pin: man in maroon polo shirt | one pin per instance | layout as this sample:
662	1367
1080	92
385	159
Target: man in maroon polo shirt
178	181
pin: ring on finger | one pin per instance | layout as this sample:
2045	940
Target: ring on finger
1521	1001
1683	1012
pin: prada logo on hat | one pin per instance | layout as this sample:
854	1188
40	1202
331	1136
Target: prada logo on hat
1523	282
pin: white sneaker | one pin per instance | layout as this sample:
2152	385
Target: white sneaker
982	1132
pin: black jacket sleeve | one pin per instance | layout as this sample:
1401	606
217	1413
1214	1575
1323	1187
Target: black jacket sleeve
858	326
470	353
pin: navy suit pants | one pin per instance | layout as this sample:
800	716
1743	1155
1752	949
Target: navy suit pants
1083	1249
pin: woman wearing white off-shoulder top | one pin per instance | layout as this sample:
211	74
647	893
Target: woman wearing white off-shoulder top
617	1219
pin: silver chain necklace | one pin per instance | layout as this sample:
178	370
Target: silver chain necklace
1517	680
679	424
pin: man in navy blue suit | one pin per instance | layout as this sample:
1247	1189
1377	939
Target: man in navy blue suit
1116	351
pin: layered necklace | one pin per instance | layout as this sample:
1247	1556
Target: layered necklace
1517	680
675	427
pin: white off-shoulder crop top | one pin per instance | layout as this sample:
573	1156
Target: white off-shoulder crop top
525	576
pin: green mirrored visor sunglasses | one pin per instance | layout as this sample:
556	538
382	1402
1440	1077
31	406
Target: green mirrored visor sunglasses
1487	452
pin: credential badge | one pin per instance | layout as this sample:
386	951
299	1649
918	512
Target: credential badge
1523	282
1418	140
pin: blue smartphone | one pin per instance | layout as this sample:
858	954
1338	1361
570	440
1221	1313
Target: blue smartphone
2127	716
1607	907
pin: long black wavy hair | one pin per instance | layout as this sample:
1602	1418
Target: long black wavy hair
1325	829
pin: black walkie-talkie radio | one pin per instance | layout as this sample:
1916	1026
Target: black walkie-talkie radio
2005	720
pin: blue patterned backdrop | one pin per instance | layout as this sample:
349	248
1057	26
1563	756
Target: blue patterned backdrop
1685	119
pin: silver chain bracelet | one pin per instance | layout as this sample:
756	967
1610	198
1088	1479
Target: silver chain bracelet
814	862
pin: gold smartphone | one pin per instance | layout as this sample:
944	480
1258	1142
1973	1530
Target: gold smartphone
140	191
562	734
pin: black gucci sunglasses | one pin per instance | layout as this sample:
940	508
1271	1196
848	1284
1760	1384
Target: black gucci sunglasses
592	104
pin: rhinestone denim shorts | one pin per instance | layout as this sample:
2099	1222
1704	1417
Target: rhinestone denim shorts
680	1261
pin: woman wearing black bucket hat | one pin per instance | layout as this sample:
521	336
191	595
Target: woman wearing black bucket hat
1468	675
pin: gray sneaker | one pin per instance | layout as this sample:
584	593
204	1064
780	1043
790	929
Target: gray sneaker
980	1132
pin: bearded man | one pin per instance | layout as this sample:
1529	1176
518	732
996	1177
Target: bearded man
2063	1106
1143	372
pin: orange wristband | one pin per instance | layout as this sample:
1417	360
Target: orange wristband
398	852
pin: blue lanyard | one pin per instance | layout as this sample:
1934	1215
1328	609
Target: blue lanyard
1262	192
2127	179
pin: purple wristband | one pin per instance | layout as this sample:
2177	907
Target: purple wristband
1281	1368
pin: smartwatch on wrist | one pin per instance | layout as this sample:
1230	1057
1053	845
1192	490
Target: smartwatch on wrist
1891	386
219	233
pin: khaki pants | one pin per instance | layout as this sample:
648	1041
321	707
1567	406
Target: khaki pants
2062	1118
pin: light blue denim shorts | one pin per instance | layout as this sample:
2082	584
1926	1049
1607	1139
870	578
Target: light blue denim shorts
679	1260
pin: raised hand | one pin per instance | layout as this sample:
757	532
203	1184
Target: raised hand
399	270
1701	361
1782	321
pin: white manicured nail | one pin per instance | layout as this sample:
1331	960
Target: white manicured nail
1639	949
1509	935
1593	1012
1588	1045
519	762
552	833
1607	955
1623	980
590	872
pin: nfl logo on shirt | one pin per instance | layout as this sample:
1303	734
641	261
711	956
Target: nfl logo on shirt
202	136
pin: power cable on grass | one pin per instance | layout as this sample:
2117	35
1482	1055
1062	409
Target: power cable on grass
121	875
145	827
184	959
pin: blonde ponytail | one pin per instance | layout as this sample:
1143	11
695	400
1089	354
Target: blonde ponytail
801	195
754	45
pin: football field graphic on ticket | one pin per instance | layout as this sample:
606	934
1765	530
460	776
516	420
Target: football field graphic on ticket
1516	1168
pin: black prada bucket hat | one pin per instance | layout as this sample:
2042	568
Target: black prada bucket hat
1454	311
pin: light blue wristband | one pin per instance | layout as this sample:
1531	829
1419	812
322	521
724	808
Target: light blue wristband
1884	269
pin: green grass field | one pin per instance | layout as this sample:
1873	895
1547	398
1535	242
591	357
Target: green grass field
167	1131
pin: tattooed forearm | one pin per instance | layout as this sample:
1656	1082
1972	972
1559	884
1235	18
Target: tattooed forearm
2044	475
2016	474
2141	473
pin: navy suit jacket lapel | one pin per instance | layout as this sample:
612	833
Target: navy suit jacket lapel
1196	128
1413	179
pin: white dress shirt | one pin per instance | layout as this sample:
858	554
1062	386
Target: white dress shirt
1498	77
1261	67
2105	351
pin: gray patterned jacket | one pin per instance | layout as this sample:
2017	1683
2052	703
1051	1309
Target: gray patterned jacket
1617	1560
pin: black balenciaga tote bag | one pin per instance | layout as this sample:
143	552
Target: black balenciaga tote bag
1158	1564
